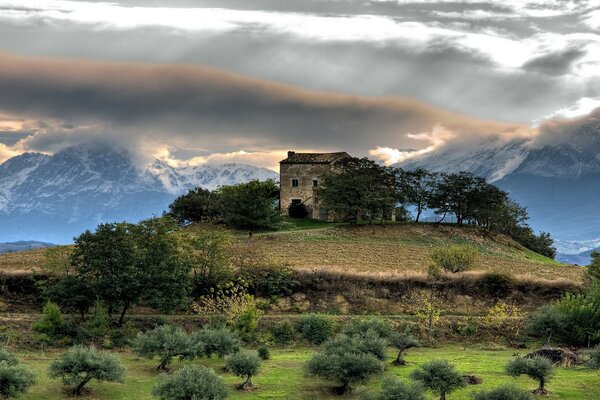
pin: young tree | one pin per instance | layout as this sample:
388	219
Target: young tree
506	392
194	206
344	360
415	188
593	270
79	365
316	328
14	378
358	188
538	368
245	364
251	205
163	342
393	388
439	376
403	341
190	382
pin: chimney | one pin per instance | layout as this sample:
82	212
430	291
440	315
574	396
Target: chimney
291	153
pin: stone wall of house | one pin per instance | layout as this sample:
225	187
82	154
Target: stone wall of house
306	190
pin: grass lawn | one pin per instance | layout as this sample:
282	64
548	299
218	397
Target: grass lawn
282	376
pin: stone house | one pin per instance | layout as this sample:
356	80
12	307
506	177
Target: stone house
299	176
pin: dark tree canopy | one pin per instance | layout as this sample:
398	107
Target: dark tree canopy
414	188
251	205
194	206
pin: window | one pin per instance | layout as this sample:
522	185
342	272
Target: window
294	182
315	183
296	201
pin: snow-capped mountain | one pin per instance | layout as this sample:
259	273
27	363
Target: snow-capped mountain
558	180
54	198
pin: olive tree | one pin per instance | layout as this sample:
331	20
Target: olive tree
439	376
244	363
393	388
219	341
402	341
538	368
163	342
316	328
506	392
190	383
79	365
15	379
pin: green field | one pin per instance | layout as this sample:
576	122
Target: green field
282	376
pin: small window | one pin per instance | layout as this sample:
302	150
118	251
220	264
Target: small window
315	183
294	182
296	201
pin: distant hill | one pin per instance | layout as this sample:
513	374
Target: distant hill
54	198
22	246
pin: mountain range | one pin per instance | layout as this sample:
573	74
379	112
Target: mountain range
558	182
54	198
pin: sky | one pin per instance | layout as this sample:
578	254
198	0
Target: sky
210	81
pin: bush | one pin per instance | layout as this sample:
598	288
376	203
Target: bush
52	324
439	376
360	326
190	382
14	378
244	363
594	361
98	326
316	328
264	353
283	332
538	368
270	280
497	285
393	388
297	210
79	365
455	258
247	322
593	270
506	392
403	341
219	341
164	342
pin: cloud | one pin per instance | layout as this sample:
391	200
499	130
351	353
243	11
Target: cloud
557	63
191	106
582	107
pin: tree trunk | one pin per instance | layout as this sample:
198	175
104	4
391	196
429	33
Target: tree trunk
399	360
82	314
419	211
163	365
122	317
443	396
79	387
248	384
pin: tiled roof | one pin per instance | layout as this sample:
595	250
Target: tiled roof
313	158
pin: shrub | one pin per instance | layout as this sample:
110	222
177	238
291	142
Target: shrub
593	270
403	341
360	326
219	341
163	342
505	319
52	323
547	321
297	210
247	322
506	392
14	378
538	368
264	353
594	361
190	382
244	363
283	332
316	328
439	376
393	388
79	365
270	280
497	285
455	258
346	360
99	324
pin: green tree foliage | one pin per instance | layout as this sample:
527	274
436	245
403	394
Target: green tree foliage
71	293
506	392
593	270
415	188
439	376
251	205
98	325
358	188
344	360
244	363
15	379
163	342
594	361
317	328
190	383
196	205
359	326
455	258
52	325
393	388
219	341
79	365
402	341
283	332
538	368
127	264
264	353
